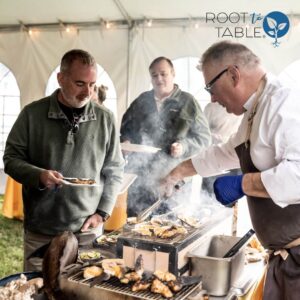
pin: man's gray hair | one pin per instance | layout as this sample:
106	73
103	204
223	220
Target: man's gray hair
76	54
227	52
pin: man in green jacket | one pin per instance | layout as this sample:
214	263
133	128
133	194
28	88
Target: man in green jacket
65	135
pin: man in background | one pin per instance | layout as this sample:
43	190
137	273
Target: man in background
166	118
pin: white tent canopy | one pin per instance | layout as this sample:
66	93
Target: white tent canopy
179	29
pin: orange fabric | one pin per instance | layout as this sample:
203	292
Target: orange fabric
119	214
13	201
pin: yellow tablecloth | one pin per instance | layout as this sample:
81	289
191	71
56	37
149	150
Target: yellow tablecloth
13	201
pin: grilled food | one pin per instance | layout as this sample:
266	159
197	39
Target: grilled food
192	222
160	288
160	230
81	180
113	266
141	285
91	272
107	238
164	276
21	288
175	285
89	255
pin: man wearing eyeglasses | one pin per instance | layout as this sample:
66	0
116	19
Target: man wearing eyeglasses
266	147
65	135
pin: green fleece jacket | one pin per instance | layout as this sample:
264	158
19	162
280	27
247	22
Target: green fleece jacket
42	139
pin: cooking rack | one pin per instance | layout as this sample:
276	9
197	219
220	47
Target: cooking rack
115	286
173	240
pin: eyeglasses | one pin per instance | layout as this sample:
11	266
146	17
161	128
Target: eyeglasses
208	87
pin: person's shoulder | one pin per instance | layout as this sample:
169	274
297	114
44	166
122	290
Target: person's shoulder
145	96
102	110
184	96
37	104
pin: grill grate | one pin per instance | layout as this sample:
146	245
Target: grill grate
176	239
114	285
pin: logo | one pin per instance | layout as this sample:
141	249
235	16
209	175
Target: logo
249	25
276	25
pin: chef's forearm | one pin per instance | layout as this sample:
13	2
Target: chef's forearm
185	169
252	185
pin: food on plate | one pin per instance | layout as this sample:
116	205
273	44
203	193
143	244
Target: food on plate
89	255
108	238
91	272
21	288
80	180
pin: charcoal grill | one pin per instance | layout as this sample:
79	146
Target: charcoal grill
113	285
168	254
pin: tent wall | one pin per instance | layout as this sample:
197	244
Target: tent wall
125	54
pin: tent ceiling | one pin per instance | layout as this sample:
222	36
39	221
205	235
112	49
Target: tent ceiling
50	11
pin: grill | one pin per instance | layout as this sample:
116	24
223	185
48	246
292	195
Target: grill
113	285
167	254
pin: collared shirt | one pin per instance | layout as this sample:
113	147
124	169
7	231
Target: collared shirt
274	139
160	101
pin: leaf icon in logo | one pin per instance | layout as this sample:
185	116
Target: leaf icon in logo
271	33
282	26
272	23
276	24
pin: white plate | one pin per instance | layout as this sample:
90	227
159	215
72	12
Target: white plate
128	179
139	148
78	184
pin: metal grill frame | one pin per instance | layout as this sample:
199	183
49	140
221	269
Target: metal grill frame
115	286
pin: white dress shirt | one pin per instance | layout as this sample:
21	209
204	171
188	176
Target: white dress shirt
275	143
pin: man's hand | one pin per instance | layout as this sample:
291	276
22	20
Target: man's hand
50	179
167	185
228	189
92	222
176	149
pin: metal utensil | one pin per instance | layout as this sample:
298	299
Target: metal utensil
236	247
145	213
241	288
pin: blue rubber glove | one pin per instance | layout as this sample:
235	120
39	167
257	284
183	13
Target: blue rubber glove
228	189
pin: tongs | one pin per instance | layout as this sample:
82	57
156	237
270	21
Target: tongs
145	213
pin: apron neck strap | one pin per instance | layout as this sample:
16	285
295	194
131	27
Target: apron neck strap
252	114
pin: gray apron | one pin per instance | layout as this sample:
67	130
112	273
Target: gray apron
275	227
